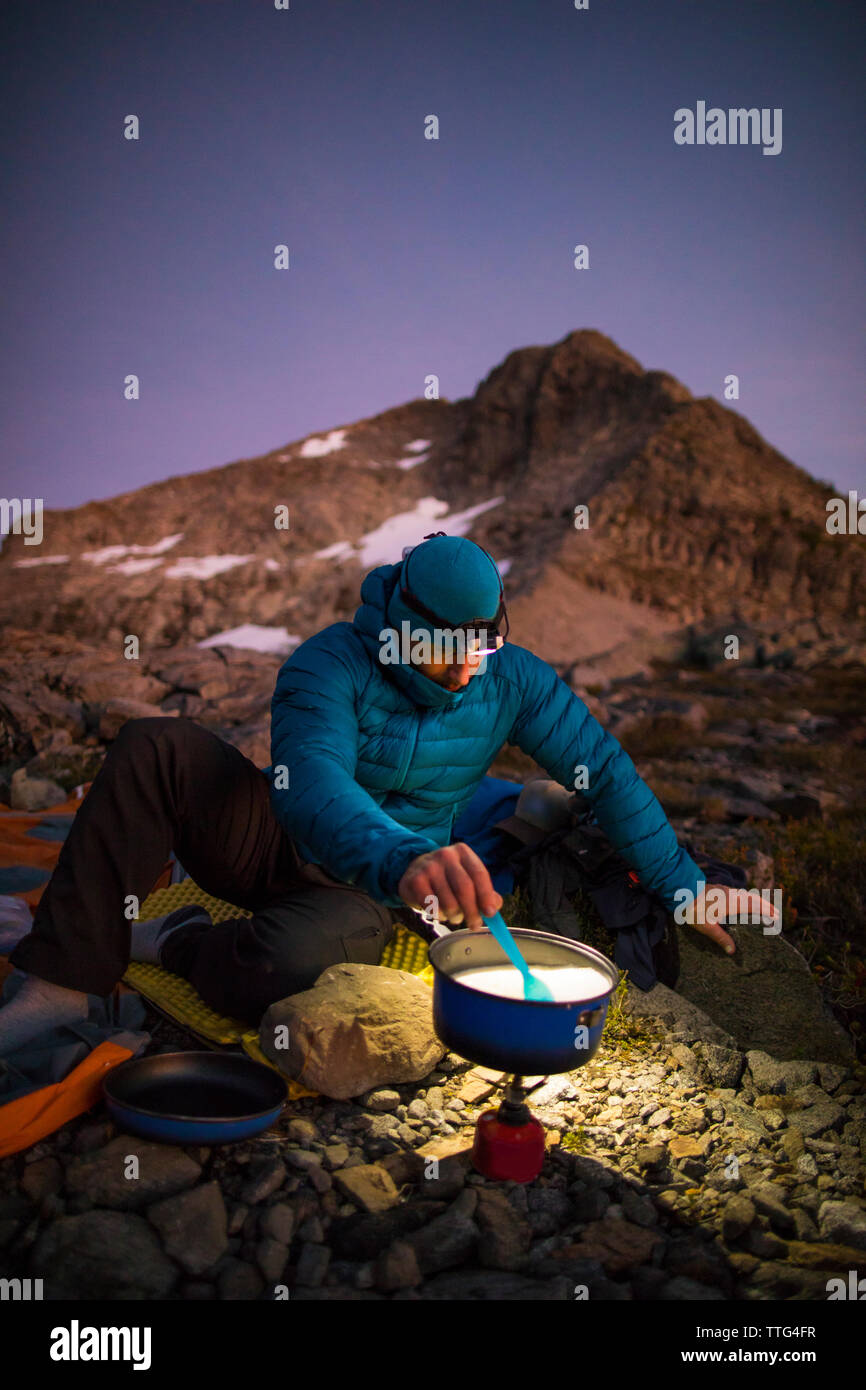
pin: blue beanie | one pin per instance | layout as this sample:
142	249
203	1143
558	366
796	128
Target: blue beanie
452	576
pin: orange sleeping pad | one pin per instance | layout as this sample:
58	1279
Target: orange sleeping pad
30	842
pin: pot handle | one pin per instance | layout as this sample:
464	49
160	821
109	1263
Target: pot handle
590	1017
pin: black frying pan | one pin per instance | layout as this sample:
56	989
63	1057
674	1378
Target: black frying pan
194	1097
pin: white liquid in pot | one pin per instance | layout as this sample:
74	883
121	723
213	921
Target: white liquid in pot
567	983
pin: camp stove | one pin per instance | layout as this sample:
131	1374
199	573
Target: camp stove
509	1142
520	1037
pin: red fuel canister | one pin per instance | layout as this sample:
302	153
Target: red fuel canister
511	1148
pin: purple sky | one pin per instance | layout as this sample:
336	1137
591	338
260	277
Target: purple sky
411	256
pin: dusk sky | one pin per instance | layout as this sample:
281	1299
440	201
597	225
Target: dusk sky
411	256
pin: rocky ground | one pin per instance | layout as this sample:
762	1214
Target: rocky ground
676	1169
715	1148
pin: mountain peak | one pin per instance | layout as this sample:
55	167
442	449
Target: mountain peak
690	513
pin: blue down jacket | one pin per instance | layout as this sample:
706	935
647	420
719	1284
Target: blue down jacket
381	760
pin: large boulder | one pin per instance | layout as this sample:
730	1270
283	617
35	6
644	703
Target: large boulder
764	995
34	793
674	1010
359	1027
102	1255
30	715
94	681
67	763
193	1226
130	1172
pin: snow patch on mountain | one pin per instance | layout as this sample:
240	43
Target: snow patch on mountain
386	543
42	560
205	566
117	552
133	566
317	445
277	641
340	550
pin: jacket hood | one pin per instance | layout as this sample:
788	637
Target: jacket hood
381	609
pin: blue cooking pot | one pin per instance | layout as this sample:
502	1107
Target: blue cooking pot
523	1036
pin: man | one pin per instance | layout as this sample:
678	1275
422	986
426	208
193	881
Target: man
378	746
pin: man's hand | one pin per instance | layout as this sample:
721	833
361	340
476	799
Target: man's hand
735	900
457	879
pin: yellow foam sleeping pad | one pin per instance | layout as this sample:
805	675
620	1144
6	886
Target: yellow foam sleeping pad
176	997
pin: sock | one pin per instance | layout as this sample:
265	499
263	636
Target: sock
148	938
15	923
36	1008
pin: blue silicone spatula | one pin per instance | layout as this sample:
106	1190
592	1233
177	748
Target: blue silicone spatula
533	988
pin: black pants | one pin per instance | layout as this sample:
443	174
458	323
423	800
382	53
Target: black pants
169	784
